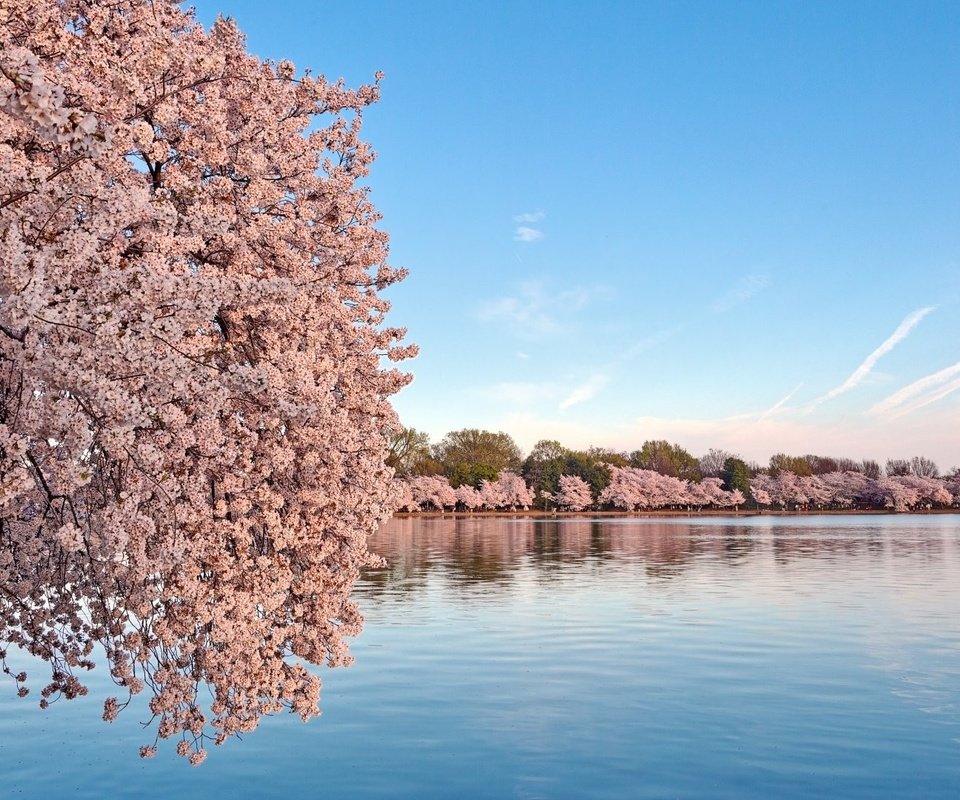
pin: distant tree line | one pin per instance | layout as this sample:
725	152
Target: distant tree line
472	469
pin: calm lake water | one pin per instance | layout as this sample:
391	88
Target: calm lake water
769	657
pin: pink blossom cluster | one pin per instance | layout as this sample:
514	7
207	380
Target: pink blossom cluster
847	489
194	404
469	498
573	493
28	94
508	491
952	485
430	491
433	492
633	489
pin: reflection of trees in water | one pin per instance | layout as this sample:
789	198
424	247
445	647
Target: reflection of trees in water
405	568
731	543
547	543
469	550
560	542
736	546
498	550
925	547
790	544
599	543
491	549
665	550
842	544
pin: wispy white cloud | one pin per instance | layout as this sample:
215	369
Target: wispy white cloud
525	234
779	404
589	388
583	392
648	343
933	397
535	311
861	372
522	355
922	392
541	395
746	288
529	312
530	216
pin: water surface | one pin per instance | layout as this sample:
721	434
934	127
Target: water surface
788	657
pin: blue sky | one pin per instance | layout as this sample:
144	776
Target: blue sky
729	225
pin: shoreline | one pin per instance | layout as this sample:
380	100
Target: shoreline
672	513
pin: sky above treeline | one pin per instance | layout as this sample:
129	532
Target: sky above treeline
730	225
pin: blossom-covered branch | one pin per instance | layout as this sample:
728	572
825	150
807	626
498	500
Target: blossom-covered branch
193	397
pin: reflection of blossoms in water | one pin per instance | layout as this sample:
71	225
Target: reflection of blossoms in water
490	549
478	549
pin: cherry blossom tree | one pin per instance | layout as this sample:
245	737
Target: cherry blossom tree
760	495
891	493
432	491
491	495
632	489
193	403
784	489
624	490
405	500
737	498
845	488
930	490
952	485
699	495
818	491
849	488
573	493
718	497
468	497
514	492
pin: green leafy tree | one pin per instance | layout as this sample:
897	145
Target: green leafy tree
543	467
471	475
587	465
798	465
667	459
409	449
607	456
469	452
736	475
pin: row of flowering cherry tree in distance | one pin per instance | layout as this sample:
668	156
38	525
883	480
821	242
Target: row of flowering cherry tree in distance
632	489
194	374
473	470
